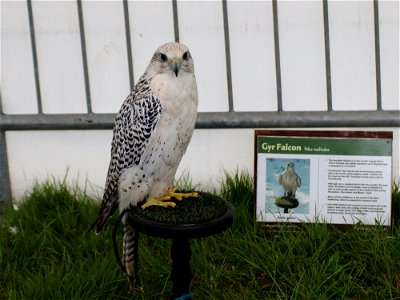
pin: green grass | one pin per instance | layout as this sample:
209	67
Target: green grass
51	255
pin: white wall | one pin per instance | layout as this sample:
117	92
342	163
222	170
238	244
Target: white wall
85	154
36	155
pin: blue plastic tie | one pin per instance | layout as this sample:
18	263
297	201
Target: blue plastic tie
185	297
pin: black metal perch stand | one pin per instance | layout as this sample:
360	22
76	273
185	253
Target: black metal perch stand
181	234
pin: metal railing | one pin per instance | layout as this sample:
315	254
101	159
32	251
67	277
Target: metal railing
209	120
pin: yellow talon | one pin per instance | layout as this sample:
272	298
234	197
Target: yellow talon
157	202
162	201
179	196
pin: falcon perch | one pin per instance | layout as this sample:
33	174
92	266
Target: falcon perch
151	133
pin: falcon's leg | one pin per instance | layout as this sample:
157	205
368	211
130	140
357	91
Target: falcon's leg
163	201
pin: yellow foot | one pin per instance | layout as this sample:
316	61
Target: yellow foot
179	196
157	202
163	201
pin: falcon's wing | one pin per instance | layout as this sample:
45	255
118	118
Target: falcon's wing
133	129
298	181
280	178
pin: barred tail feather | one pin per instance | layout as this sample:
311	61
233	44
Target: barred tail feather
129	248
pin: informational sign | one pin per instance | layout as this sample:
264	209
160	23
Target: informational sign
331	177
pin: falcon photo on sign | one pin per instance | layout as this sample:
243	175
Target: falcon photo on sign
333	177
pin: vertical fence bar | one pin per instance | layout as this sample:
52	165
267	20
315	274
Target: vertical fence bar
5	186
277	55
176	20
377	57
128	44
227	54
1	105
327	56
34	56
84	57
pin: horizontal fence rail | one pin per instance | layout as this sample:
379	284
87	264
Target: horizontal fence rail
205	120
213	120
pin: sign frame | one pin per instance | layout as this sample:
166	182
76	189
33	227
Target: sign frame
271	152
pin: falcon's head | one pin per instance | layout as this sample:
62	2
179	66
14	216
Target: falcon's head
290	166
173	58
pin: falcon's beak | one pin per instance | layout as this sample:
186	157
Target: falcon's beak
175	66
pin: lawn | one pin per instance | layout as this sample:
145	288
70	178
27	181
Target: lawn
47	253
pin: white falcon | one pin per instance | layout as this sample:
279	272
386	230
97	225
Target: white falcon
289	180
151	133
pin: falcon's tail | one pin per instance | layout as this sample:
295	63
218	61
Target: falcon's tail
129	245
107	209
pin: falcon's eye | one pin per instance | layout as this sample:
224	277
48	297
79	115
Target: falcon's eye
163	57
185	56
